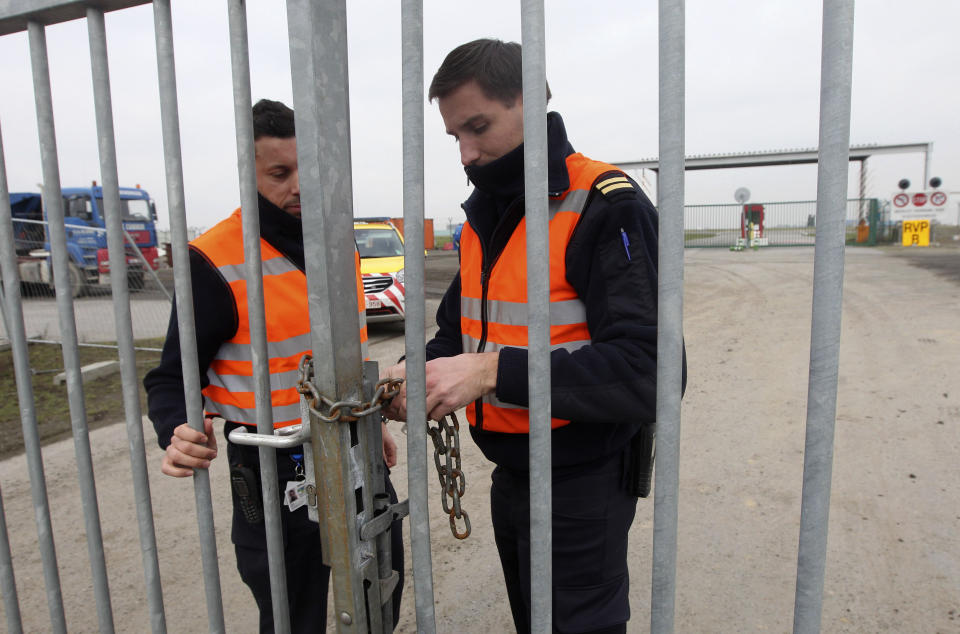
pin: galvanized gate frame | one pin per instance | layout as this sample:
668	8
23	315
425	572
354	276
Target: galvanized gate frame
345	454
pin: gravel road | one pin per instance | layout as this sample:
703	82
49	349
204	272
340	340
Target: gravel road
893	554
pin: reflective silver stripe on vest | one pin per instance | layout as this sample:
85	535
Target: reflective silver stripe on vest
470	345
565	313
274	266
232	413
574	201
491	399
242	383
275	349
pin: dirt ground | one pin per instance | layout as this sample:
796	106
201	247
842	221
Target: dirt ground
894	540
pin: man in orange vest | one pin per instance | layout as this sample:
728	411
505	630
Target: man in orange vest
226	370
603	312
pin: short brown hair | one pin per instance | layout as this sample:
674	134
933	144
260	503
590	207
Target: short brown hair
495	65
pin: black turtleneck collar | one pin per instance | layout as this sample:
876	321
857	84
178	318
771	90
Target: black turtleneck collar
499	183
502	178
282	230
278	220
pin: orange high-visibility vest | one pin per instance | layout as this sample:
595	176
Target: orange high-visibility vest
493	312
230	393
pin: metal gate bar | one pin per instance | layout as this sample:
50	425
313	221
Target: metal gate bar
533	53
250	212
68	328
835	88
411	21
122	318
170	125
318	61
669	313
11	604
13	312
318	50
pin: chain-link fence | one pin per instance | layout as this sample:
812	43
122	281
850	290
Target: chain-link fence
150	284
776	224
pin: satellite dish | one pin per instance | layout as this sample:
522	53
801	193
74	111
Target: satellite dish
742	195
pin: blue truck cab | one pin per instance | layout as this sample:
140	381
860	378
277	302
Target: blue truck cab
85	224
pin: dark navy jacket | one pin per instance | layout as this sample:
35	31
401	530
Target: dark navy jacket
607	389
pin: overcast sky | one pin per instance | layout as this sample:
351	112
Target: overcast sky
752	71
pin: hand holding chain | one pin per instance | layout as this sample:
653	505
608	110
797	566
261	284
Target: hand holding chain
445	436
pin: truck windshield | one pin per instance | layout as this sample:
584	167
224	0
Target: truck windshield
132	208
378	243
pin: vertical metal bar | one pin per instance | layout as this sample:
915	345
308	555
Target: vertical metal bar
862	207
381	504
411	25
146	265
835	88
8	584
68	327
183	289
16	332
538	311
318	61
242	107
369	453
121	313
669	314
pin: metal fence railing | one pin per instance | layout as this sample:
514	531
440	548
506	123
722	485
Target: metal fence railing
342	452
785	224
89	282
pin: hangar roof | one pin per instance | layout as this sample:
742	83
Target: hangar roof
778	157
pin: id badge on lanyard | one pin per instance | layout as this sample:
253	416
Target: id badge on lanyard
295	494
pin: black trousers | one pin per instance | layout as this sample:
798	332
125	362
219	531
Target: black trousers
307	582
592	514
307	577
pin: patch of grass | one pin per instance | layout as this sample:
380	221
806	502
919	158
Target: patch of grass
103	397
698	235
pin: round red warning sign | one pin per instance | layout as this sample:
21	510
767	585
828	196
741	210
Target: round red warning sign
901	200
938	199
919	199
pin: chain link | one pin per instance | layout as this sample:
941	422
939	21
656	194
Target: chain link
453	483
343	411
445	436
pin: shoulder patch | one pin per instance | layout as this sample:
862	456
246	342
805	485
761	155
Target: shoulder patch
613	183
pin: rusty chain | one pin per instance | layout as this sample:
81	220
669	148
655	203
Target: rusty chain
445	436
453	483
343	411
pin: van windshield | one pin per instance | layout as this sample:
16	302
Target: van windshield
378	243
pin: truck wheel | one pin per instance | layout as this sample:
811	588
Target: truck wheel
76	280
135	281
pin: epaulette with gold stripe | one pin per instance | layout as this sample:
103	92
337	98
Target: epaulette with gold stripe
613	184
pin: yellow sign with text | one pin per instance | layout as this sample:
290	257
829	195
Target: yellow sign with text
916	233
